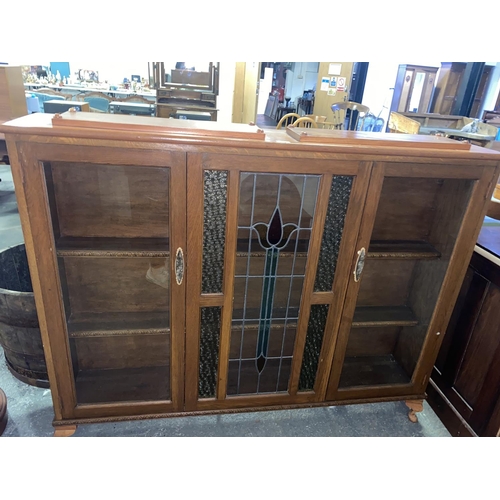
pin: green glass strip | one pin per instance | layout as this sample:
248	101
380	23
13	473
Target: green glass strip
214	230
266	308
209	351
312	349
340	194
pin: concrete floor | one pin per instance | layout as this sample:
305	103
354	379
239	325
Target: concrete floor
30	408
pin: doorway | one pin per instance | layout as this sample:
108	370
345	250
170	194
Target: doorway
292	87
282	85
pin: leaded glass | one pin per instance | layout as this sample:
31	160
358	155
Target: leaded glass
340	193
275	218
214	230
312	349
209	351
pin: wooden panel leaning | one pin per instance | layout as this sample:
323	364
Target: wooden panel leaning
201	268
12	97
401	124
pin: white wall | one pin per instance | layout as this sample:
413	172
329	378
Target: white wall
111	71
114	72
227	73
265	87
380	79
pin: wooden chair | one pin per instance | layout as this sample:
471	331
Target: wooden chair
97	101
317	119
356	111
135	98
305	122
51	92
45	96
287	119
327	125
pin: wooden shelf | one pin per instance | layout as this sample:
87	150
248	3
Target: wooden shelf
149	383
372	370
112	247
393	249
381	316
118	323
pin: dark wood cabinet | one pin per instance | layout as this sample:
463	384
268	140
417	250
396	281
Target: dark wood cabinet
465	388
481	92
413	89
181	267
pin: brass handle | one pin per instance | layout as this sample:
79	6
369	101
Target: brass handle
360	263
179	266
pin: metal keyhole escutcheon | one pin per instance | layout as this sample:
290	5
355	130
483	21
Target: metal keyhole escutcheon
179	266
360	263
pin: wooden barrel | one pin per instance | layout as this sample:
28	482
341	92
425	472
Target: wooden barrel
19	331
3	412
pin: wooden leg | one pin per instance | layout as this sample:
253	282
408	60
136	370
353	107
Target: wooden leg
415	405
64	430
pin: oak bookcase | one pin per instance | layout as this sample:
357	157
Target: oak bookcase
193	267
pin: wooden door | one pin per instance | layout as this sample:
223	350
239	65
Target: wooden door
413	247
269	244
246	92
450	76
481	92
105	241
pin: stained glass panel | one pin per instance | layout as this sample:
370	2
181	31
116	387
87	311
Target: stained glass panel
275	218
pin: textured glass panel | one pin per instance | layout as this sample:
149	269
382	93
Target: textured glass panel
214	230
274	229
332	234
209	351
312	349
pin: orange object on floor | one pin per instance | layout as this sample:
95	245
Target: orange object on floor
3	411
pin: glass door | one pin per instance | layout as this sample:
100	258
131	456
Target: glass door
118	238
405	248
270	233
